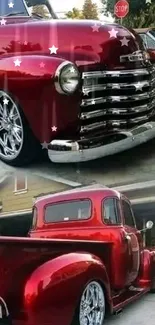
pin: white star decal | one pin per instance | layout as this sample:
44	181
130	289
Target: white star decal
93	102
5	101
25	43
72	70
113	33
124	41
54	128
11	4
85	92
139	86
44	145
17	63
148	1
3	22
95	28
53	50
42	65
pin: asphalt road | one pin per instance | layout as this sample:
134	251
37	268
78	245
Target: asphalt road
141	312
127	167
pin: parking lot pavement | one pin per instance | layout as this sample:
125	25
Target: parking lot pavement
141	312
131	166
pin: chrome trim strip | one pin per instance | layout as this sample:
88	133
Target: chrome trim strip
92	127
111	86
138	136
117	73
121	98
115	111
112	122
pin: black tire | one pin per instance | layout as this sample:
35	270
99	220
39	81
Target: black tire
30	148
76	319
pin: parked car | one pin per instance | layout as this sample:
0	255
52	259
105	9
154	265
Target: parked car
148	37
80	90
84	258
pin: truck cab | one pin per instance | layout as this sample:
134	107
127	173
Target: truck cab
97	214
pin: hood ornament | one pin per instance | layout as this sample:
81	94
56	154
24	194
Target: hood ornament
136	56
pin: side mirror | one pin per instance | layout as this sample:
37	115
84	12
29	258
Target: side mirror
149	224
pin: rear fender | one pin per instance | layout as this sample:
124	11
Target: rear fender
31	84
53	290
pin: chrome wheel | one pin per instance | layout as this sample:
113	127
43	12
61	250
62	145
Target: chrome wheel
92	305
11	128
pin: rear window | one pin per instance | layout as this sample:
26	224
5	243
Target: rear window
68	211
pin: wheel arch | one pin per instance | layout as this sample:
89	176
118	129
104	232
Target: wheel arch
88	268
33	89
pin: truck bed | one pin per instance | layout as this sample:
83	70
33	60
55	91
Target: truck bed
20	256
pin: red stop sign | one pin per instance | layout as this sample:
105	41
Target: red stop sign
121	8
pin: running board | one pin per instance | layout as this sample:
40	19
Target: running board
126	297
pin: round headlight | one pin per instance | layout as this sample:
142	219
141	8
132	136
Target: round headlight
67	78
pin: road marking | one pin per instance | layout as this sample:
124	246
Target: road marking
57	179
135	186
144	200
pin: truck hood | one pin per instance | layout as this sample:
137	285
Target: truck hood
85	42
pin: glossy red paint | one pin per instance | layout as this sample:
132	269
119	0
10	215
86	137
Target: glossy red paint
77	43
42	277
91	120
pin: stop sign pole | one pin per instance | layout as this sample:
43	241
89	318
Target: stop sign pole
121	9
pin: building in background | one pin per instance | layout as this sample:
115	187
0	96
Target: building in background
17	195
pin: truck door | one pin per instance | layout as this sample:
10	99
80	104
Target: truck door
131	235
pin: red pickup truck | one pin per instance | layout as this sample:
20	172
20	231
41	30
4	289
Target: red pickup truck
84	259
80	89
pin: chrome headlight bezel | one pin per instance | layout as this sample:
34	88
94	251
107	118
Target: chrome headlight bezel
61	86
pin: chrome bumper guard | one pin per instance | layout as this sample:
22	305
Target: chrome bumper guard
67	151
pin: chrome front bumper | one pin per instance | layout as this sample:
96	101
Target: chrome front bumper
67	151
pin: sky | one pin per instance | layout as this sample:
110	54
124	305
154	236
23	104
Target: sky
66	5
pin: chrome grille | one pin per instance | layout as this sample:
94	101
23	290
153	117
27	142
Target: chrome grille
116	100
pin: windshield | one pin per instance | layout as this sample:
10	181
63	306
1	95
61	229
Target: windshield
11	7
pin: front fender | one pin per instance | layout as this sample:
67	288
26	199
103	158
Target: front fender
53	290
144	278
31	84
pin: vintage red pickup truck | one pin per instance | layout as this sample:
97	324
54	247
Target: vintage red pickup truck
80	90
84	258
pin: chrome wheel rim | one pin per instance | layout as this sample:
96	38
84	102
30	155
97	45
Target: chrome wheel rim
92	305
11	128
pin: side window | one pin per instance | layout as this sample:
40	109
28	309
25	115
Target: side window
150	43
143	36
34	216
110	211
128	214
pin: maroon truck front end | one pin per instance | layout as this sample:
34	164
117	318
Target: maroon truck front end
81	90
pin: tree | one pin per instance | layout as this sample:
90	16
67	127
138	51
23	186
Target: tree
135	5
145	18
74	14
90	10
141	14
